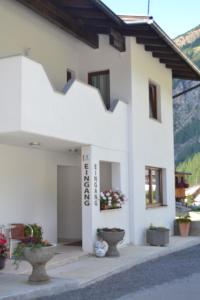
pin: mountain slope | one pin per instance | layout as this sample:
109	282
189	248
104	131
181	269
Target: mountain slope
192	165
187	107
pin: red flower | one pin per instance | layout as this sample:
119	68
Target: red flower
3	240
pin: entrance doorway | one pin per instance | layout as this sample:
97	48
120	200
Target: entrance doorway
69	210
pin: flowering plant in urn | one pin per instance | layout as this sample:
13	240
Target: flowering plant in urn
3	247
3	250
111	199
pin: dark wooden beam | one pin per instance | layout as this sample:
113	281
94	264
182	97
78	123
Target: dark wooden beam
146	36
184	75
169	60
90	15
184	72
97	23
180	66
164	56
78	4
138	32
62	19
150	41
136	28
159	49
117	40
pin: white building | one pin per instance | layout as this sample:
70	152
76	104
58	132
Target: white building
52	131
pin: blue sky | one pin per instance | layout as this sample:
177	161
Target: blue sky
174	16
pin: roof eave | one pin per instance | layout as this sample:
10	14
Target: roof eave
153	25
172	44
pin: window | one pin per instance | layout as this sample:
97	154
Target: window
153	102
70	74
101	80
153	187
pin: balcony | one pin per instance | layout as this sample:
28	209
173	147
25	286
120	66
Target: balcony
30	109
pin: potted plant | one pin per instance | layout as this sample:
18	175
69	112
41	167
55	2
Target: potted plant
157	236
112	236
111	199
184	225
36	251
3	251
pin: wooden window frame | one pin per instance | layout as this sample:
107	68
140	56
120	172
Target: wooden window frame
160	203
104	72
90	74
153	101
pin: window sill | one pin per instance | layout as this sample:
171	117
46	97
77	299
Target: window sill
156	206
110	209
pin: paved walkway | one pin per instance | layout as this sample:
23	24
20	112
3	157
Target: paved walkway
175	277
79	271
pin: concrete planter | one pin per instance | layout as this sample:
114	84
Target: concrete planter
158	236
112	237
38	257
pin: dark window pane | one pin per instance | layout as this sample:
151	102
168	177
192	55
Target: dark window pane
101	80
156	197
153	186
69	75
147	186
153	101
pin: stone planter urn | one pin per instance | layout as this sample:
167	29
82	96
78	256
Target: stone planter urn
38	257
2	262
157	236
112	236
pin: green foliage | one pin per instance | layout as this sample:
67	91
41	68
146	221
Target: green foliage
33	230
159	228
18	255
195	208
190	200
191	165
183	219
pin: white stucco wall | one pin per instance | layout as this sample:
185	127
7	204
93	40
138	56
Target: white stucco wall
28	186
57	51
21	28
104	58
151	142
69	203
92	216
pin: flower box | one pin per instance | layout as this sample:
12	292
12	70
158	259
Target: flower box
111	199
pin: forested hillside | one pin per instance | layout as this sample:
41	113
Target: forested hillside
192	165
187	106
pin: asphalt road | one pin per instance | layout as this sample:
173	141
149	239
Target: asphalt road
175	277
